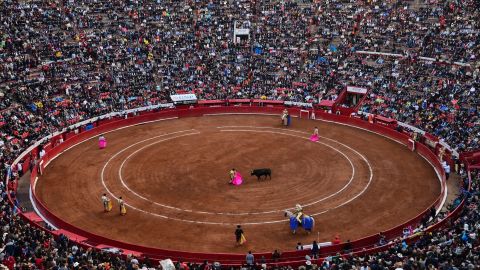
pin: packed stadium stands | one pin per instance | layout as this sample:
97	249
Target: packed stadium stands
66	61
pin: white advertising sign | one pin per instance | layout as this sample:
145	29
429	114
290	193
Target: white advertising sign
183	97
358	90
300	104
242	32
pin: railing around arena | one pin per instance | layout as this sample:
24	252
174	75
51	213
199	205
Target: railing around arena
61	142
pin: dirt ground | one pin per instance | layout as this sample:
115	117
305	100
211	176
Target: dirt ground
173	175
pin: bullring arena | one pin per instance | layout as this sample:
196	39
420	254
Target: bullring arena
132	134
173	174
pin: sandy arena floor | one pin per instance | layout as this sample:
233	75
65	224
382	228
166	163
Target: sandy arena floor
173	174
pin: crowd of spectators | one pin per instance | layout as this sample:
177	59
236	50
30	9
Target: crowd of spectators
455	247
62	62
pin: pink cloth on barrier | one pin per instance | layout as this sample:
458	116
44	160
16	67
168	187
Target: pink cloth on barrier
237	180
314	138
102	144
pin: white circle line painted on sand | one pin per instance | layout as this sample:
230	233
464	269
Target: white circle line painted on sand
148	212
358	153
245	223
120	175
322	199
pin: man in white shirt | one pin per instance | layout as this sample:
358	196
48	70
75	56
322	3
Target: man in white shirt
106	201
446	167
20	169
42	153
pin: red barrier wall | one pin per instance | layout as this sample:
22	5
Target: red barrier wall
288	258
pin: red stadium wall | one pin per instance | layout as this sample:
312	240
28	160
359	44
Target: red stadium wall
87	239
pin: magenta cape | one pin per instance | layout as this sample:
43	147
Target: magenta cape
237	179
102	143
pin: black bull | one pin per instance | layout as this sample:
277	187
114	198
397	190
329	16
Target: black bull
262	172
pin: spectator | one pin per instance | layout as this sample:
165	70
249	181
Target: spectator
308	265
315	250
347	247
250	259
276	255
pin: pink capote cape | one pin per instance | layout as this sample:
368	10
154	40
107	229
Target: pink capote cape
237	179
